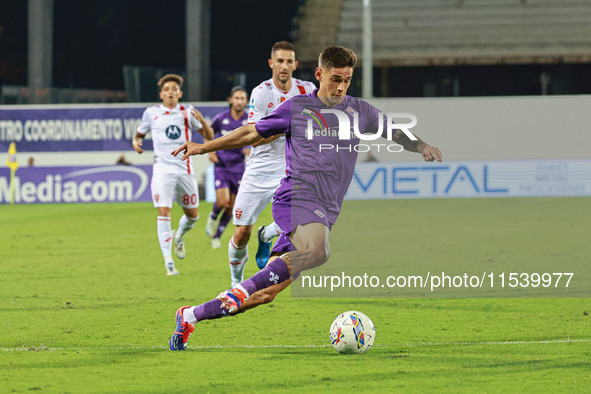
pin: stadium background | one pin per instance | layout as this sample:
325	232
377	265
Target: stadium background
501	87
66	52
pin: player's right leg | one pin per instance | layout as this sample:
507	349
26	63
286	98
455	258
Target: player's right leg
312	244
162	188
238	252
165	239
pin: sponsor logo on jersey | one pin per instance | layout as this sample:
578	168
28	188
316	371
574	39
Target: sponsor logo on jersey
250	114
319	213
270	105
173	132
225	121
351	111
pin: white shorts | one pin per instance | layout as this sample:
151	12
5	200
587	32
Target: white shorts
254	194
165	187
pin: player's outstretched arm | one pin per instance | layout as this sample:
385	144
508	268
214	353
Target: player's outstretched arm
242	136
430	153
267	140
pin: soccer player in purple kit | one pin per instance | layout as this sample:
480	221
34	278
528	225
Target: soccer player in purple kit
228	165
309	199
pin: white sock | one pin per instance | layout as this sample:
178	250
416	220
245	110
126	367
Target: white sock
189	315
165	238
271	231
237	257
185	224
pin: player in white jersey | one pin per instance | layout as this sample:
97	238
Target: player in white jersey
171	125
266	164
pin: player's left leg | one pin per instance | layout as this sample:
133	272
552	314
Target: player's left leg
217	208
265	235
212	218
312	244
187	316
267	295
186	223
188	198
312	249
264	242
225	202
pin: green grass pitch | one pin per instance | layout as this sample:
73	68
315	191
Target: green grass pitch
86	307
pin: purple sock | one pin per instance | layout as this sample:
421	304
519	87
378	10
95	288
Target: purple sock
224	220
210	310
274	273
215	211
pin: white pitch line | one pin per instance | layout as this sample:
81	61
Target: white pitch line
43	348
497	343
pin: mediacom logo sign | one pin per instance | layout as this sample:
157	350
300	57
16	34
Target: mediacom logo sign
77	184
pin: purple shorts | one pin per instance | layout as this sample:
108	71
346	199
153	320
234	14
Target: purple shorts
292	208
227	179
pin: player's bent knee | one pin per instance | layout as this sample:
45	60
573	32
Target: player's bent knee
311	259
319	256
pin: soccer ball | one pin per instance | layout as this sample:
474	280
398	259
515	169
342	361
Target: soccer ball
352	332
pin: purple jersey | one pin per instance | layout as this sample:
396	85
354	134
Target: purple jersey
222	124
321	174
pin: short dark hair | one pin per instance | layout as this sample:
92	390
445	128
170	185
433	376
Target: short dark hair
238	89
282	45
170	77
336	56
235	89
